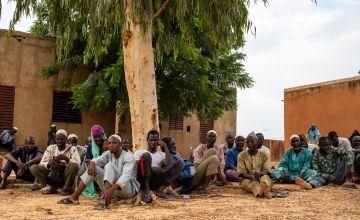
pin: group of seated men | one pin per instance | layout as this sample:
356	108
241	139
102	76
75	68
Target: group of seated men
333	160
117	172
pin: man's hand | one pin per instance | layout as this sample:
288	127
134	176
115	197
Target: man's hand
286	177
162	145
62	157
350	173
20	172
20	165
106	195
92	168
248	176
301	175
331	178
51	162
158	171
257	176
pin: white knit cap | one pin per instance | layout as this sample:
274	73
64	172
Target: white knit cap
61	131
211	131
73	136
116	137
15	128
294	136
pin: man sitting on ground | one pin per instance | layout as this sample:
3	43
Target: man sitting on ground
155	168
209	162
305	144
260	144
7	138
231	159
73	140
294	166
115	173
331	164
356	147
339	142
229	139
254	169
185	179
60	154
51	135
20	161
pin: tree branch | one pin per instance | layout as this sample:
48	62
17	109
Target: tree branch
161	9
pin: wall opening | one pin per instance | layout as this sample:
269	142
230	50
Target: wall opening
63	109
176	123
204	128
7	96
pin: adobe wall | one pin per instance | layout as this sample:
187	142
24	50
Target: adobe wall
186	141
22	59
332	105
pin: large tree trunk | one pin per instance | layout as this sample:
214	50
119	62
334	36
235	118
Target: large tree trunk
140	80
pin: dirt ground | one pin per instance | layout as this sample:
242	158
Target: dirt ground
229	202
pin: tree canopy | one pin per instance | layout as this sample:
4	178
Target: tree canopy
201	37
186	68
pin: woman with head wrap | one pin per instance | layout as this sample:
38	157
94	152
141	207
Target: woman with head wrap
97	147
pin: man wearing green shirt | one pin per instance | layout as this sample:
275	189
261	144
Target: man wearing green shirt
294	164
331	164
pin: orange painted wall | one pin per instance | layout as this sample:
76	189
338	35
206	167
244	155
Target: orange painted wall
333	105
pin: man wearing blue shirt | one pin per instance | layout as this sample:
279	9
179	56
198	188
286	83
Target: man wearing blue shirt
231	159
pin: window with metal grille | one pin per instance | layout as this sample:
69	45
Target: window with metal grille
176	123
7	96
204	128
63	109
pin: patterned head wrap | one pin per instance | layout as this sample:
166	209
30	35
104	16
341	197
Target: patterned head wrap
96	130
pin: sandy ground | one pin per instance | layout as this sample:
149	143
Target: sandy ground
229	202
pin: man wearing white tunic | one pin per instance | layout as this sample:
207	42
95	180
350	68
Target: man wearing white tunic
114	171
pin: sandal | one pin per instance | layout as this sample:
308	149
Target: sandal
203	190
278	195
162	195
146	199
65	193
50	191
222	183
101	206
357	181
349	186
68	201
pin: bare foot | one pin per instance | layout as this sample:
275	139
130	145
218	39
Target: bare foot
303	184
169	190
265	190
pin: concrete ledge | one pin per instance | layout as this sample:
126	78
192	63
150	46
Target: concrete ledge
19	34
332	82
